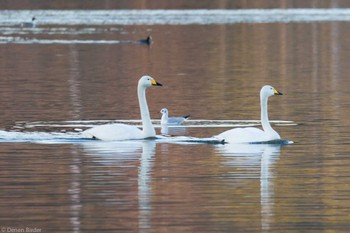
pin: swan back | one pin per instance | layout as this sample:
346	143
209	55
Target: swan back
243	135
113	132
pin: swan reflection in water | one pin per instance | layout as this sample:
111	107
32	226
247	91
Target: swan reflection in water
253	156
120	153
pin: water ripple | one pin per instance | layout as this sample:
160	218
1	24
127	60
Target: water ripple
70	131
171	17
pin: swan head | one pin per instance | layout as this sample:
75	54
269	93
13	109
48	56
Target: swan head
147	81
164	111
268	90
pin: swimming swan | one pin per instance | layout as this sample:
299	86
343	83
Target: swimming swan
250	134
171	120
128	132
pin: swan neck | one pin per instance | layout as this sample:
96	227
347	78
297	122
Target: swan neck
147	126
264	114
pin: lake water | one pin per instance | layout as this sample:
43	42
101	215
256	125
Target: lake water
57	79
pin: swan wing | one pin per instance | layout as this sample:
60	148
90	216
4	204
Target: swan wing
114	132
243	135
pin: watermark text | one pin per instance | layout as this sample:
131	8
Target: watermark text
20	229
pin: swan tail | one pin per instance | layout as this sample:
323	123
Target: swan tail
86	134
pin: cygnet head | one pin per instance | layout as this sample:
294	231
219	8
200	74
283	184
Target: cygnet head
268	90
164	111
147	81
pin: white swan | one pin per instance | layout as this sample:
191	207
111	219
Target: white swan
250	134
165	120
128	132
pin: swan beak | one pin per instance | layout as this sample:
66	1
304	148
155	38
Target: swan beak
277	92
155	83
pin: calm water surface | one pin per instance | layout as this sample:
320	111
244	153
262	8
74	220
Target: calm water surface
53	86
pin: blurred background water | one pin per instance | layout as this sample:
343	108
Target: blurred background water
63	76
